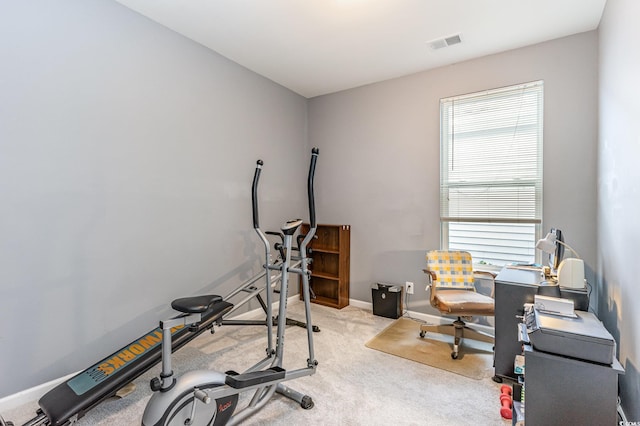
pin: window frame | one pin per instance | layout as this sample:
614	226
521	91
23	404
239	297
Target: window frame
447	105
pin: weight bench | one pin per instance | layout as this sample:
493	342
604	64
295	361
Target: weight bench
69	401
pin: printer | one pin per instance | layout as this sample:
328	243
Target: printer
582	336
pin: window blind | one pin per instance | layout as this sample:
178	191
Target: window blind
491	156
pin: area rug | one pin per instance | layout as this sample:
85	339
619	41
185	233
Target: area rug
402	338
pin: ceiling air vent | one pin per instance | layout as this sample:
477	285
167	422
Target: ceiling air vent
445	42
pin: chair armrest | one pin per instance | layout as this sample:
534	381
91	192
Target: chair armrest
490	275
432	289
432	275
493	275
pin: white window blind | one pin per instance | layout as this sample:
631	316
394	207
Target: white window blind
491	172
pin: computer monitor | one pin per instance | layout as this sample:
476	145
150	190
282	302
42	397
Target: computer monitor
556	257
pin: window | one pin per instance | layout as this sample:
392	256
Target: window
491	173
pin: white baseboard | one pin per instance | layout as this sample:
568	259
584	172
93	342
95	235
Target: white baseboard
35	393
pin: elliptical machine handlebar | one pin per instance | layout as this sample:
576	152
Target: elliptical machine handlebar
254	193
256	220
312	171
312	204
310	192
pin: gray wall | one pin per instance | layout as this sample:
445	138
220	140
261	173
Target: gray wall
619	191
382	141
127	154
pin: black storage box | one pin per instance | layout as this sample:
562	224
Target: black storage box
387	300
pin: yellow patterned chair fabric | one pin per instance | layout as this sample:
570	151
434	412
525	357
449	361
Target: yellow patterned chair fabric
453	292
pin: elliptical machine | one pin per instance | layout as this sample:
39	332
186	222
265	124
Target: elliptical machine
207	397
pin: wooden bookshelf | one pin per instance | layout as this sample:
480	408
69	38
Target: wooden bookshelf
330	266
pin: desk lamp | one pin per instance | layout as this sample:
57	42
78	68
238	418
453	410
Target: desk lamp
570	271
548	244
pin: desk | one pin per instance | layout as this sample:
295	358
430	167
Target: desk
514	288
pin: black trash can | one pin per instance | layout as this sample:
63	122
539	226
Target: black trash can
387	300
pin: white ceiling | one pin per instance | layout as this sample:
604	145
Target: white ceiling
315	47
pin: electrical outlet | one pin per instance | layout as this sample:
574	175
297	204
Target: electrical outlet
409	287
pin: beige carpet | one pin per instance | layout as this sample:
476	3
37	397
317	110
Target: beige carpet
402	338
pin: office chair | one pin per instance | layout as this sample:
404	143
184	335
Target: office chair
453	292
